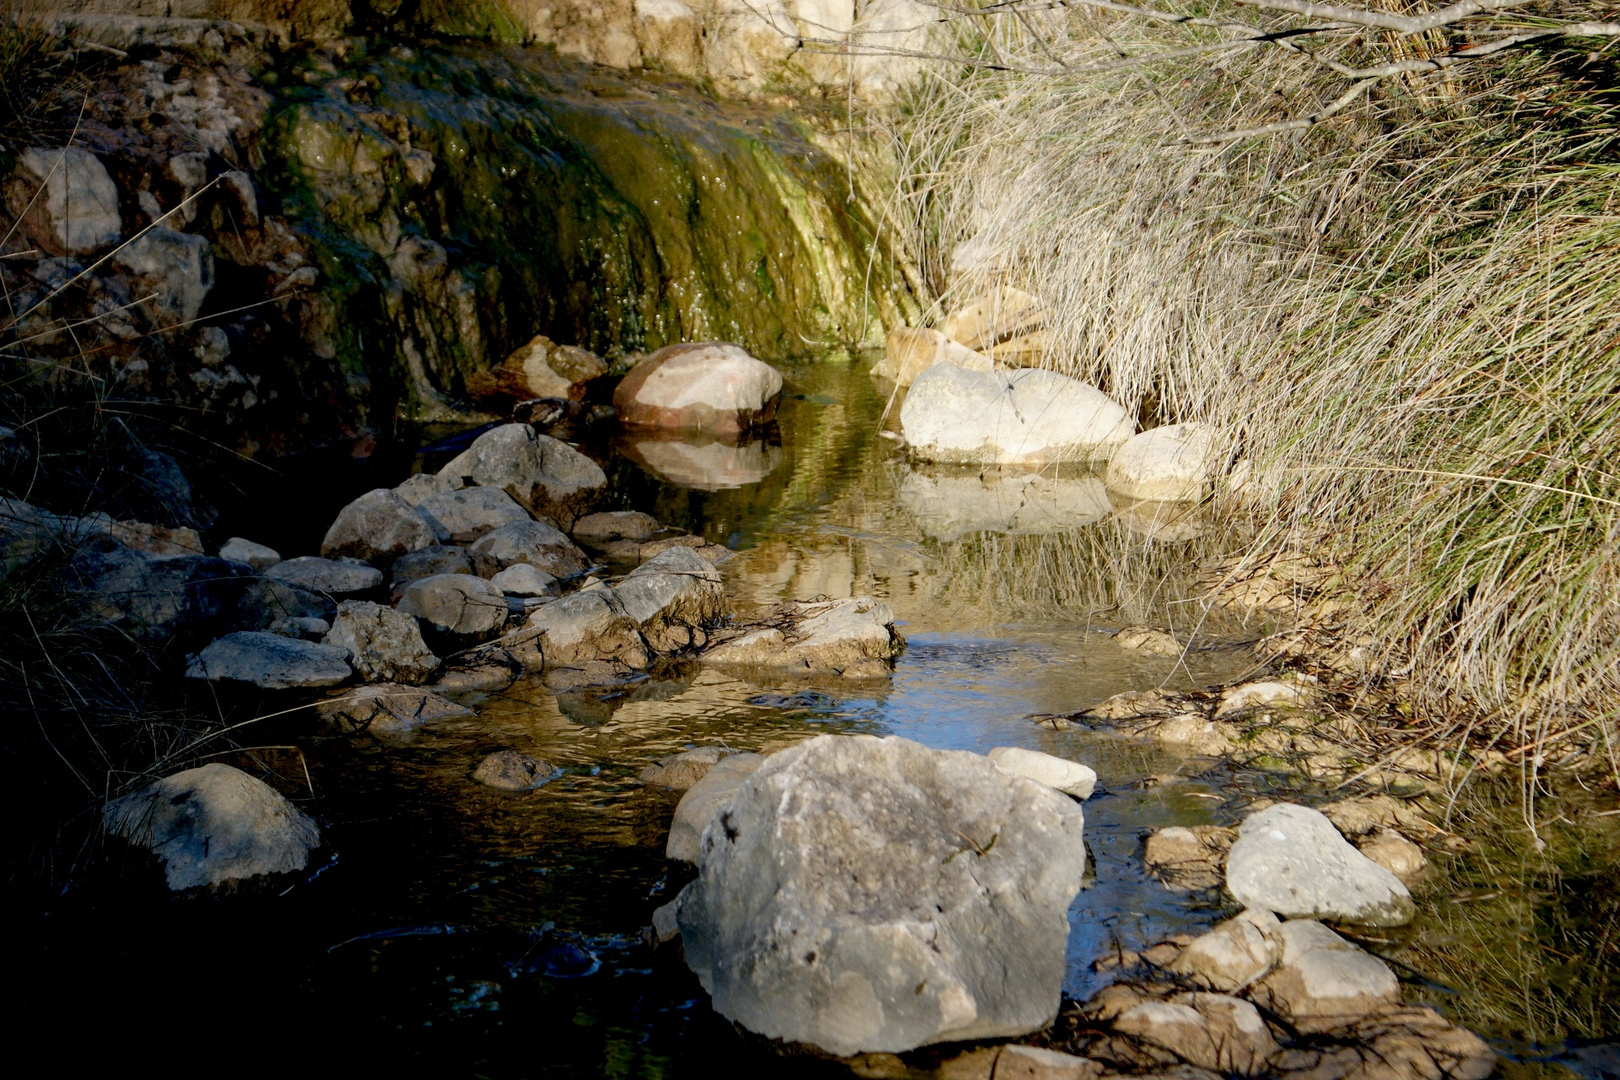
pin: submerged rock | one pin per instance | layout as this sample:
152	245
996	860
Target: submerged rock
704	386
1291	860
270	662
863	894
1018	417
544	475
1188	859
334	577
456	604
378	527
1395	853
384	645
386	707
1174	463
852	638
214	824
1148	640
1069	777
512	771
951	505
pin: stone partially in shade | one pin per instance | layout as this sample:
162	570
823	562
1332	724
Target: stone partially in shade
1323	981
544	475
465	515
873	895
512	771
1174	463
214	824
378	527
1069	777
66	200
455	604
1291	860
334	577
533	542
270	662
704	386
854	638
704	797
384	645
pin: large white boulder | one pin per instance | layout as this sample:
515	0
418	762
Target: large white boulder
214	824
1174	463
864	894
65	200
704	386
1010	417
1291	860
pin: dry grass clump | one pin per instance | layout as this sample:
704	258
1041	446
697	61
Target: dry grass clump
37	84
1405	316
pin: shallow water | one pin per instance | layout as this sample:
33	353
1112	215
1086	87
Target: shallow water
485	933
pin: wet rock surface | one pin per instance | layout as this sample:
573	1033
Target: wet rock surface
214	824
510	770
831	888
850	638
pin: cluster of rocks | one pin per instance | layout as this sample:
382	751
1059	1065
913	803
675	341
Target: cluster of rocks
972	399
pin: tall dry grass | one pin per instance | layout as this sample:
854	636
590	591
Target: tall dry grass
1405	316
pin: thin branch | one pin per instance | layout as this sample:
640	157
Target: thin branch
1339	104
1384	20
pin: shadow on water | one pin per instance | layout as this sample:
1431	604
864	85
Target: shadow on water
486	933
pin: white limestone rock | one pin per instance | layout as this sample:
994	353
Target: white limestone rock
1017	417
1174	463
1291	860
1069	777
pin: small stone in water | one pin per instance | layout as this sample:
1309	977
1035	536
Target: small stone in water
512	771
561	960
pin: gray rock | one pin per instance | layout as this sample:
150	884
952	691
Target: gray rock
384	645
1235	954
676	598
534	542
1323	981
1015	1062
543	474
428	561
853	638
1291	860
257	556
464	516
66	201
334	577
512	771
1021	417
386	707
703	800
864	894
595	530
416	488
379	527
455	604
310	629
156	597
214	824
1174	463
525	580
665	928
270	661
264	602
176	268
582	627
678	772
1069	777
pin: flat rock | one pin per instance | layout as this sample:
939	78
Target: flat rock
384	645
1069	777
1173	463
334	577
1291	860
541	546
214	824
378	527
678	772
1019	417
465	515
594	530
510	770
1015	1062
270	661
852	638
455	604
703	799
545	476
703	386
839	904
676	598
1323	981
525	580
386	707
257	556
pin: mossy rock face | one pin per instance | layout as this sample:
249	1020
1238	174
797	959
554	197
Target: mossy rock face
464	198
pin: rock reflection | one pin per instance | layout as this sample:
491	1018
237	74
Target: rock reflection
1166	523
703	462
948	505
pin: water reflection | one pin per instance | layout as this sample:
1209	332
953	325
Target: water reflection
950	505
704	462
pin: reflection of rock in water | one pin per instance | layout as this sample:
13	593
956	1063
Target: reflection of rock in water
1167	523
707	464
951	505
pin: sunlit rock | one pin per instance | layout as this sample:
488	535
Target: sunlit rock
706	464
1322	981
1291	860
379	526
951	505
995	318
908	351
510	770
1069	777
705	386
384	645
544	475
1174	463
863	894
585	626
703	799
1016	417
214	824
678	772
853	638
676	598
